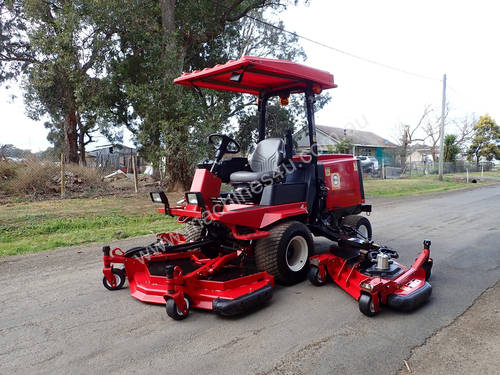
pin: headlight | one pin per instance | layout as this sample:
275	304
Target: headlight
366	286
195	199
192	199
159	197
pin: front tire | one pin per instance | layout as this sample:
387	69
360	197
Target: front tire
285	253
361	224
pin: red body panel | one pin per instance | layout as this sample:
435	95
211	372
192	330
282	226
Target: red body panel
206	183
260	75
247	215
342	179
232	215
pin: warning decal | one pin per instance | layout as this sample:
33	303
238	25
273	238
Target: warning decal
335	181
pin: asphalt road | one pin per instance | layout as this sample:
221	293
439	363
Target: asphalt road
56	317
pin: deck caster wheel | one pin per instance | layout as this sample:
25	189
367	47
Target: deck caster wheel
314	276
173	310
366	305
427	266
119	278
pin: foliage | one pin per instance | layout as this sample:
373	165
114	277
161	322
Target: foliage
451	149
89	64
344	146
58	48
156	44
485	142
11	151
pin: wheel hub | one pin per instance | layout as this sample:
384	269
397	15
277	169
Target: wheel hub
296	253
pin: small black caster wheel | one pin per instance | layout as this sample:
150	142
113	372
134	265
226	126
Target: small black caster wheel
314	276
119	277
366	305
173	310
427	266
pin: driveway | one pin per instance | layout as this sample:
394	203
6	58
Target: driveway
57	318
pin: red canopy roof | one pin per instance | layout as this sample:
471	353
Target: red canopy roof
260	75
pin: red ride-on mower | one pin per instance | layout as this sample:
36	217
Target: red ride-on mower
238	242
368	272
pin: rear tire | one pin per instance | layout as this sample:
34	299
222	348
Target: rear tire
194	232
360	223
285	253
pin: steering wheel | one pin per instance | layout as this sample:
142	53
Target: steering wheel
221	142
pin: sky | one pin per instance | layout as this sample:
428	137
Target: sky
429	38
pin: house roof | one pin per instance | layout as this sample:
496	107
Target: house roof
357	137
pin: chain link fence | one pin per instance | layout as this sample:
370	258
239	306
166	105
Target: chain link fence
389	169
40	179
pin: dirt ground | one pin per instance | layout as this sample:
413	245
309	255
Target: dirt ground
469	345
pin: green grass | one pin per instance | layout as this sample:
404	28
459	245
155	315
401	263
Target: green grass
37	226
409	186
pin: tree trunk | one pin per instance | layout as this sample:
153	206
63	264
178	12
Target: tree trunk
81	148
71	138
168	14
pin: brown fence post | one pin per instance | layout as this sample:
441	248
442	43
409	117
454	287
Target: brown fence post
134	166
63	186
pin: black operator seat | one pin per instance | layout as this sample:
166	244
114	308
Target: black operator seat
264	162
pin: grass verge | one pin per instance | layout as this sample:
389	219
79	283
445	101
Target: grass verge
37	226
409	186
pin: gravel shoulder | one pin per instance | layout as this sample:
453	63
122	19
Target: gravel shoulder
469	345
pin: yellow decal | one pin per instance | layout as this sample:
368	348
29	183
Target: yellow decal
335	181
327	171
355	166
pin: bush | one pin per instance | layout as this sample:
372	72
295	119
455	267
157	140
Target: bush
43	178
7	170
34	178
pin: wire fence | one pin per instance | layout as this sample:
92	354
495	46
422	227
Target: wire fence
393	169
41	179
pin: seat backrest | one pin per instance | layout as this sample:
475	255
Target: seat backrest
268	155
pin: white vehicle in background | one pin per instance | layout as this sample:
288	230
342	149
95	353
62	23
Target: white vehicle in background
375	162
366	164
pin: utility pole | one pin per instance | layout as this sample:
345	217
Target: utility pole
441	131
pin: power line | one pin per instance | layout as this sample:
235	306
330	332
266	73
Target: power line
332	48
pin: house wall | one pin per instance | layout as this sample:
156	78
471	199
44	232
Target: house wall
365	151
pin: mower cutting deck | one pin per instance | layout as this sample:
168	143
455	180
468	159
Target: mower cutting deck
168	273
370	275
